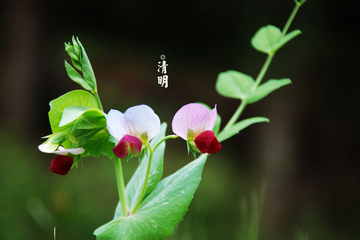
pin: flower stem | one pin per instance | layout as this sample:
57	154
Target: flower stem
121	186
145	181
236	115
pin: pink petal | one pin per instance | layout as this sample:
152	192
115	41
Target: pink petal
206	142
127	144
62	164
193	116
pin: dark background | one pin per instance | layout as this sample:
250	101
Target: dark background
308	154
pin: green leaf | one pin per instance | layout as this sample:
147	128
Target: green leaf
133	188
286	39
236	128
87	125
266	39
76	77
87	70
70	114
264	89
234	84
269	39
73	98
161	211
99	144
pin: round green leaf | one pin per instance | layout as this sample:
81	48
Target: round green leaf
73	98
234	84
266	39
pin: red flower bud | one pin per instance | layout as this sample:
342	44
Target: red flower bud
62	164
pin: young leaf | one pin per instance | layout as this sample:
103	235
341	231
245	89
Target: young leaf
73	98
234	84
76	77
264	89
71	114
87	125
285	39
161	211
87	70
99	144
133	188
236	128
266	39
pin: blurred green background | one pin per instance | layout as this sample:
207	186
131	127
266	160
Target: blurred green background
308	154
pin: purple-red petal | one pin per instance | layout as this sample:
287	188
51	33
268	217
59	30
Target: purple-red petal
126	144
62	164
206	142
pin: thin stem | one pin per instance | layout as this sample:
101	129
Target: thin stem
264	68
145	182
121	186
262	72
164	139
236	115
291	18
95	92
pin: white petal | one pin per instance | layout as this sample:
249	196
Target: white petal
74	151
48	147
115	124
140	119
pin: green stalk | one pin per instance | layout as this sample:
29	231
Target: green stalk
121	186
95	92
145	182
264	68
236	115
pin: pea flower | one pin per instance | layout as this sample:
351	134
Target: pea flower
133	129
194	123
62	163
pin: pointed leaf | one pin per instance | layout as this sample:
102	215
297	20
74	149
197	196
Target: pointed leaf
76	77
286	39
236	128
234	84
161	211
87	69
264	89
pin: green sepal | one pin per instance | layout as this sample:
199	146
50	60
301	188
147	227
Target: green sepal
264	89
236	128
161	211
233	84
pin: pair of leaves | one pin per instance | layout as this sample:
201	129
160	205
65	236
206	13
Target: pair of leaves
81	61
269	39
238	85
76	114
165	204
